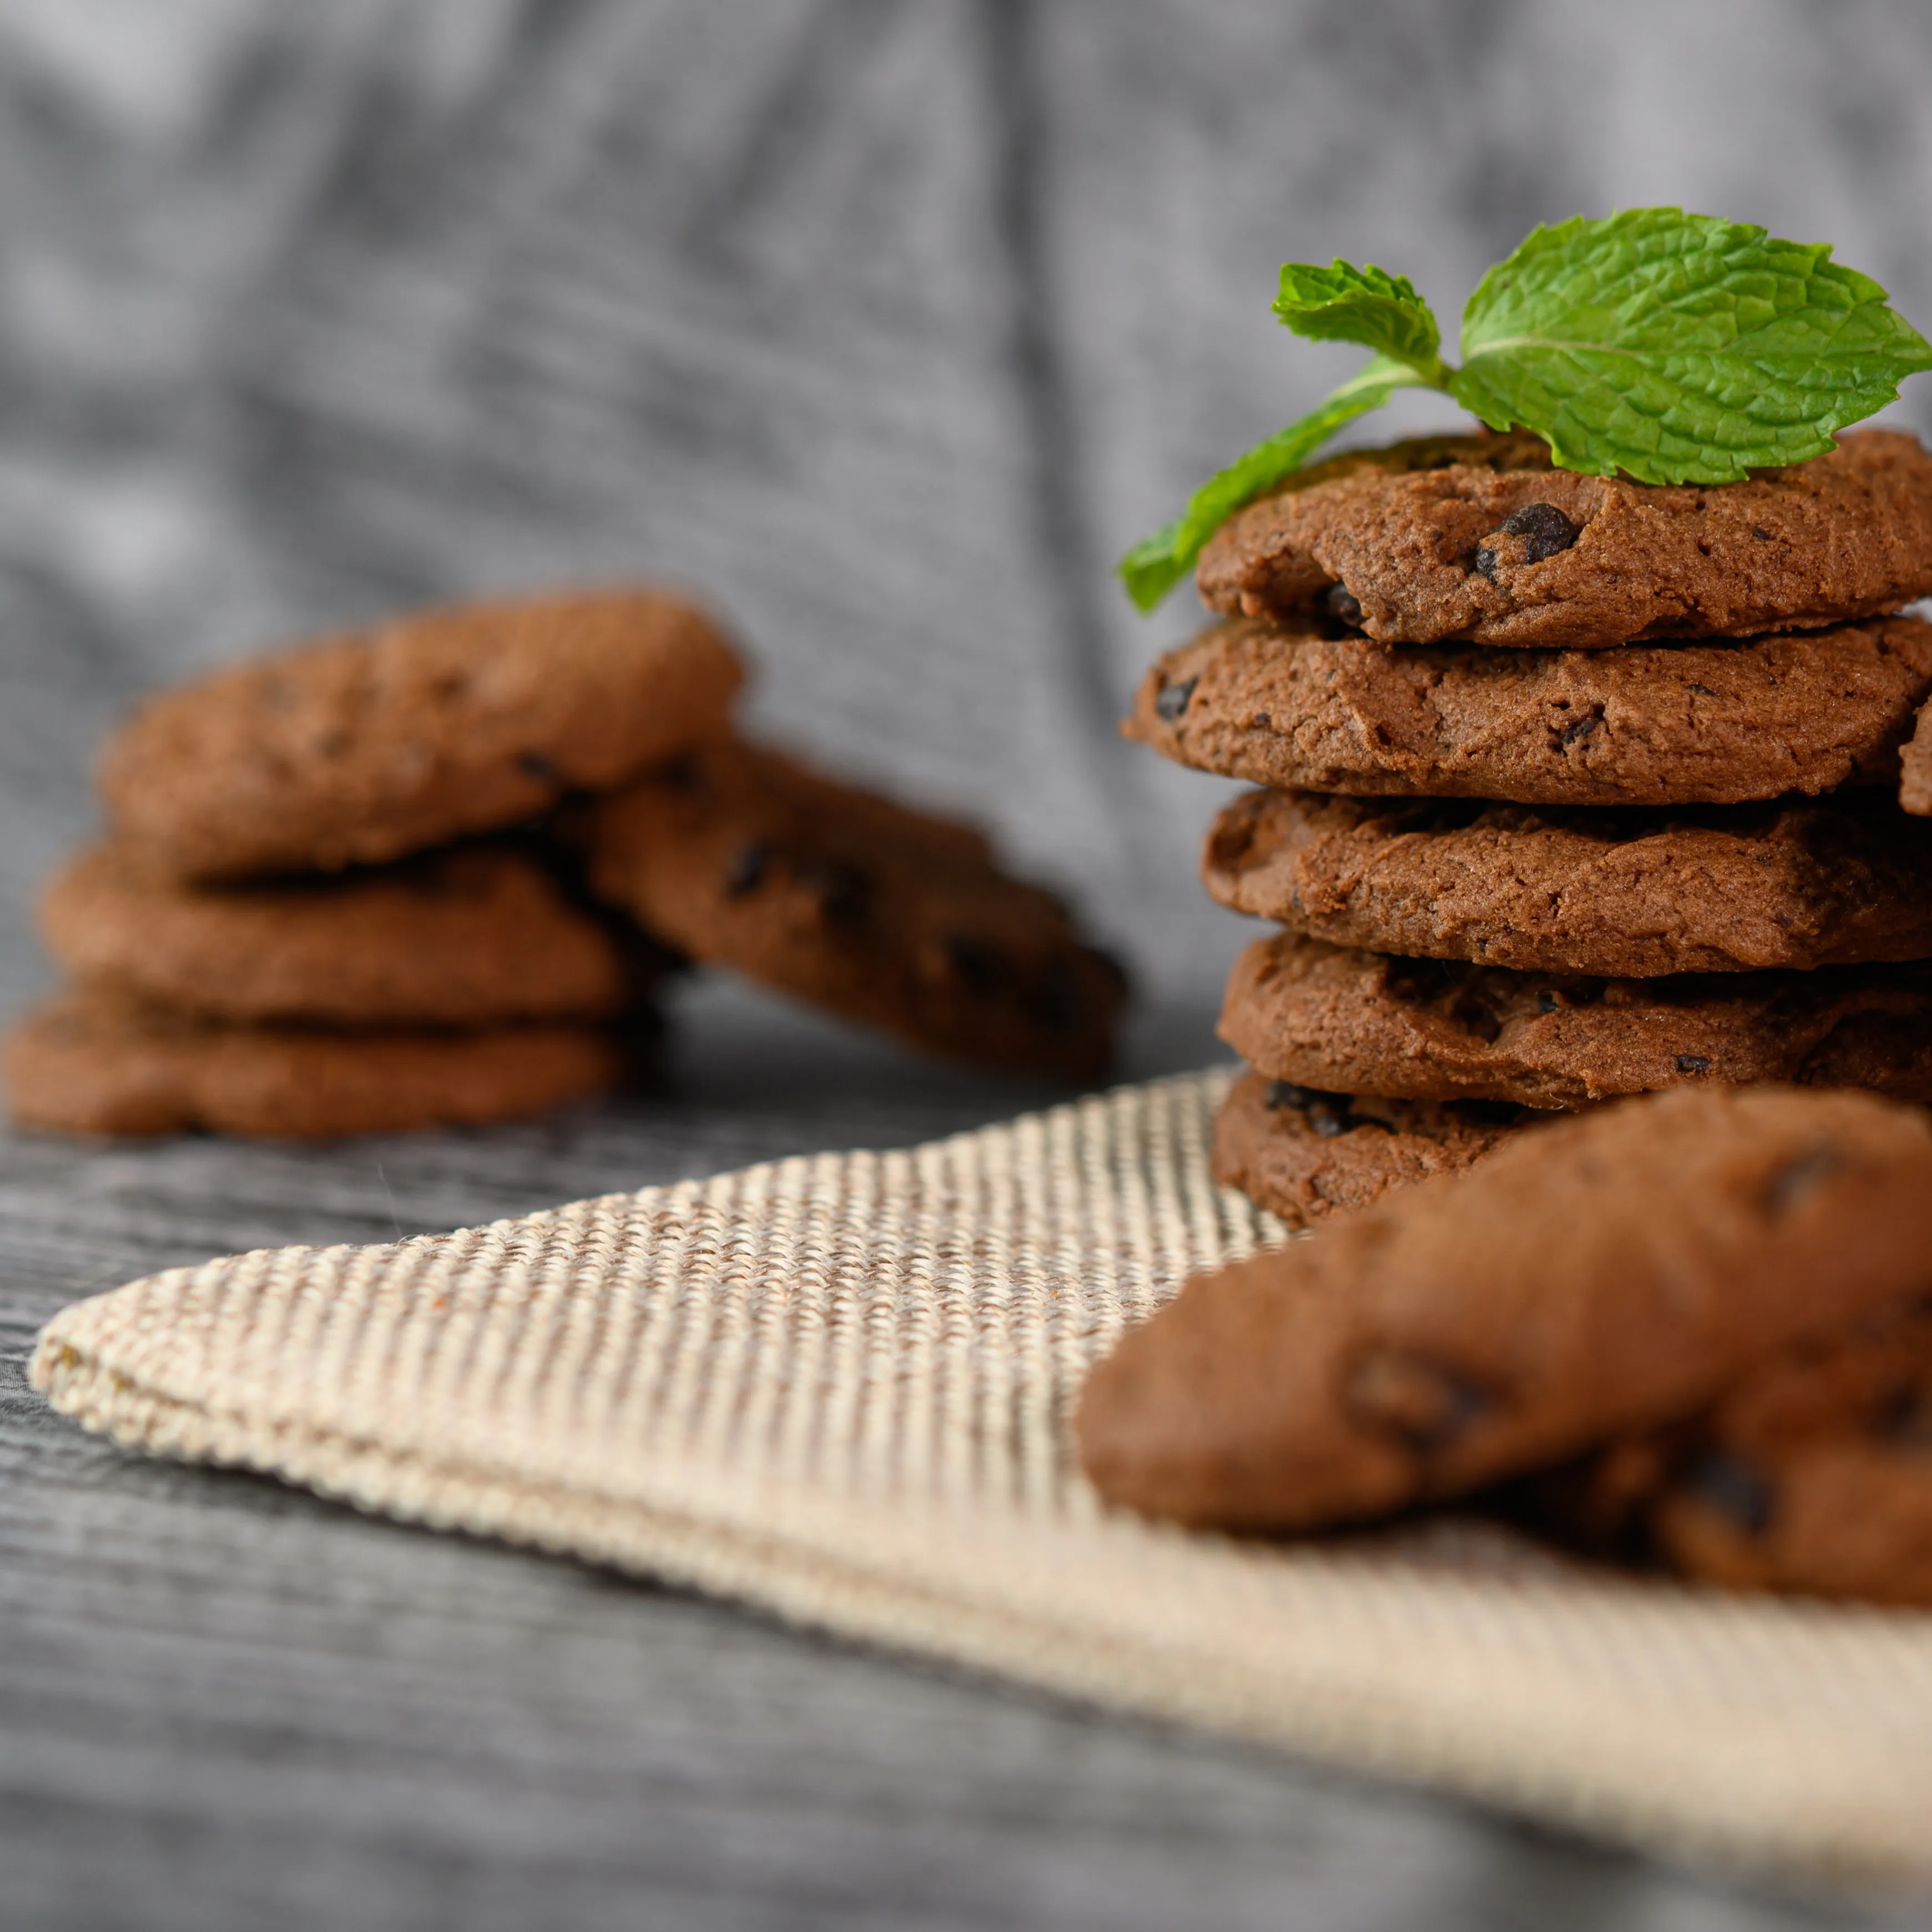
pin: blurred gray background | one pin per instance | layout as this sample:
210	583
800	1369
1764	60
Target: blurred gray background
885	323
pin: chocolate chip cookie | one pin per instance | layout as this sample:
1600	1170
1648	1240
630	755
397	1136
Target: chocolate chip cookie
886	916
460	937
1479	538
1302	1153
1813	1474
1652	724
1711	888
1590	1278
360	750
88	1063
1345	1021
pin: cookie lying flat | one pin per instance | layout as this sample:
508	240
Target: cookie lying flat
1653	724
1302	1154
1716	889
87	1063
886	916
1590	1278
1813	1474
360	750
1354	1022
1479	538
460	937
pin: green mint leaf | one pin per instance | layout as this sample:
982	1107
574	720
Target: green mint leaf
1157	563
1679	348
1342	303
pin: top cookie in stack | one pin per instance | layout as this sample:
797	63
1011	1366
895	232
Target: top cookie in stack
1577	787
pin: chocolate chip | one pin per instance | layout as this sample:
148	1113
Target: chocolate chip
1483	559
1055	1002
1173	699
1544	529
1260	722
1425	1403
1286	1094
1580	728
1693	1063
844	891
1703	690
749	865
1730	1485
1905	1420
1763	536
1328	1114
539	767
975	965
1546	1002
1798	1176
1343	603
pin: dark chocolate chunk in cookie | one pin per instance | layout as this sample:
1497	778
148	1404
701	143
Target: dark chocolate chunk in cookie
1717	889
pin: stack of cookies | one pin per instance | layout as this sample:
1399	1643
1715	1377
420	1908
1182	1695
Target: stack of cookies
432	873
1575	787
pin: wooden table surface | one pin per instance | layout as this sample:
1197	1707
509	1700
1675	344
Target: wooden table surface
886	323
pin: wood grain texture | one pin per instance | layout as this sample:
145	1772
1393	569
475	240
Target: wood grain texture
887	323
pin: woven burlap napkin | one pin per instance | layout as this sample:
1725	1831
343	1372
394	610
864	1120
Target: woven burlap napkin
838	1387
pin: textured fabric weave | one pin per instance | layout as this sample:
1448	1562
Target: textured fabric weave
839	1387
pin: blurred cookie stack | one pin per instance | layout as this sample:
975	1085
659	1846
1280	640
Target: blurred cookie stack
1575	787
434	873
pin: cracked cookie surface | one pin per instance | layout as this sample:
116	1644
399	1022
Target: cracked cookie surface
1651	725
1303	1154
1697	889
1347	1021
1479	538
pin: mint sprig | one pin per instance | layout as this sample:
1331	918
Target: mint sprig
1675	348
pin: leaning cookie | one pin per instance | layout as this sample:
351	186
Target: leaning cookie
1350	1021
1595	1277
1302	1153
1715	723
462	937
89	1064
369	747
888	916
1479	538
1716	889
1812	1475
